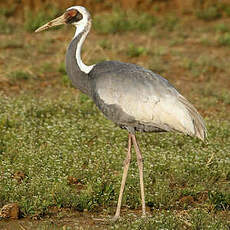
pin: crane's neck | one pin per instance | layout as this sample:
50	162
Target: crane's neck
76	69
82	30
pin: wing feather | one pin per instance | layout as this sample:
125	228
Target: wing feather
149	99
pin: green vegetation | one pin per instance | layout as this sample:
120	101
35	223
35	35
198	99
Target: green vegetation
9	44
65	79
170	22
222	27
203	65
196	219
5	27
60	159
35	20
19	75
157	65
47	68
8	11
68	137
105	44
209	13
223	37
120	21
224	40
136	51
226	9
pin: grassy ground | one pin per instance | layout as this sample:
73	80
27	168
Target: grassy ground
61	160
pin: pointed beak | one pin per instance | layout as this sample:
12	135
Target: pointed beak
56	22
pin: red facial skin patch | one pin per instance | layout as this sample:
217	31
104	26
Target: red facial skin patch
72	13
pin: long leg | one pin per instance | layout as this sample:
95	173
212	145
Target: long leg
125	172
140	166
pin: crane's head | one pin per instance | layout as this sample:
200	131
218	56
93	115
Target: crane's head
76	15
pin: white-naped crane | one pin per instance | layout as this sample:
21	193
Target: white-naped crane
131	96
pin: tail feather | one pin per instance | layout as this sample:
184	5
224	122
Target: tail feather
198	122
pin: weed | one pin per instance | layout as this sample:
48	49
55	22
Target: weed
157	65
228	176
201	66
200	219
47	68
105	44
65	79
205	41
62	68
224	40
177	41
143	22
226	9
19	75
33	21
189	64
120	21
116	22
224	96
159	50
209	13
8	11
11	44
170	22
222	27
5	27
220	200
136	51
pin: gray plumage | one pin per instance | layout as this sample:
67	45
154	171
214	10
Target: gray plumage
117	88
79	79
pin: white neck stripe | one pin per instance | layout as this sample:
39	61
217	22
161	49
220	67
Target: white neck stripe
82	28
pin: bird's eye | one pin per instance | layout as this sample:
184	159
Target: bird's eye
72	16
